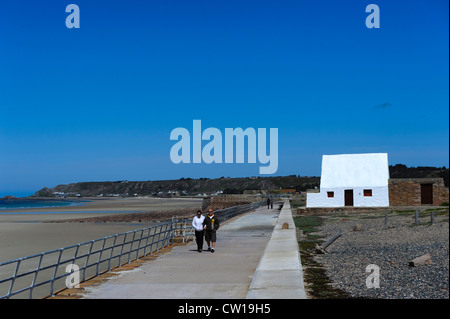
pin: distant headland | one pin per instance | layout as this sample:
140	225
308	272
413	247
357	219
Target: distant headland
211	186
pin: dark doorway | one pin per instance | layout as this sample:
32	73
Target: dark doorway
348	197
426	194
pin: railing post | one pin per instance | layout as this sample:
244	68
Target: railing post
14	278
35	275
56	270
112	250
100	254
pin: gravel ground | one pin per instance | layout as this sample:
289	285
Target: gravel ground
391	249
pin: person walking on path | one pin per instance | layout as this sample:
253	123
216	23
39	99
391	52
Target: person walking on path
197	222
211	224
268	203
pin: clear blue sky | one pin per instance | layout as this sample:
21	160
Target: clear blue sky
98	103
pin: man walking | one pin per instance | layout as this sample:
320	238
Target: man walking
197	222
211	224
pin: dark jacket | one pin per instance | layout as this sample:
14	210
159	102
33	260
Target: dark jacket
209	223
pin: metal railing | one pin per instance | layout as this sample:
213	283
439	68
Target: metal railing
43	274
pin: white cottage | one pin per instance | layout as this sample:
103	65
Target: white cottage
359	180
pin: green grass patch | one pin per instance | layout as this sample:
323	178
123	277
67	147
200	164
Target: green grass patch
437	211
308	224
297	203
402	212
319	285
377	216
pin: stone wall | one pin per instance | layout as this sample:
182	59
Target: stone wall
307	211
225	201
407	191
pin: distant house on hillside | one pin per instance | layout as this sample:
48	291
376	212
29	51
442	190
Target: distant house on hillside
288	190
359	180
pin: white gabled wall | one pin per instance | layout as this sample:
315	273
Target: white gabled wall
379	198
352	171
322	200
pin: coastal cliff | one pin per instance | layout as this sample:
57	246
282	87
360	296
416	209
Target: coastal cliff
183	186
223	185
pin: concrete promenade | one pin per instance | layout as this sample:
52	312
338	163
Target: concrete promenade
254	258
279	274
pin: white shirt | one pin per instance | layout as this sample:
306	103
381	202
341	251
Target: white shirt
198	223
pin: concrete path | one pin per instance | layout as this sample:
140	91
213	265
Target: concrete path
185	273
279	274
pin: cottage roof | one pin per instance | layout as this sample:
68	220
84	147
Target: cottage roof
355	170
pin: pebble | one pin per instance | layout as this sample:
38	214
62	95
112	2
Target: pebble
391	249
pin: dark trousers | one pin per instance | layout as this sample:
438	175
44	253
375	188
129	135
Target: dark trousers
199	239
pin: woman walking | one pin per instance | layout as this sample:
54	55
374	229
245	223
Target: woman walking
197	222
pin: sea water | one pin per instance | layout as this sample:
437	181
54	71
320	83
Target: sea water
7	204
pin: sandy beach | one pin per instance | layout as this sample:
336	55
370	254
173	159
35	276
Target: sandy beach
31	231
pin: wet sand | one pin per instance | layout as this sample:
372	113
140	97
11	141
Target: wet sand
30	231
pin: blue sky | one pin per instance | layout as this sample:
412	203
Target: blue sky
99	102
